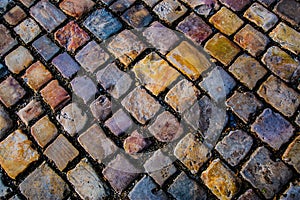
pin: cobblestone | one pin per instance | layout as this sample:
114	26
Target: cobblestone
7	42
288	10
119	123
137	16
66	65
14	15
290	156
27	3
27	30
76	8
203	7
45	47
18	60
292	193
169	10
135	143
249	194
236	5
121	5
101	108
31	111
5	122
84	87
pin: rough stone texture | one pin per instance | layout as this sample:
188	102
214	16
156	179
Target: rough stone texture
55	95
91	56
45	47
235	146
27	30
96	143
37	76
267	2
291	154
279	95
7	42
137	16
266	175
247	70
16	154
31	111
226	21
151	3
44	131
251	40
135	143
66	65
259	15
203	7
244	105
189	60
86	181
222	48
288	9
249	194
192	153
27	3
84	87
101	108
119	123
14	15
76	8
235	5
184	188
18	60
155	73
50	185
11	91
5	122
292	193
47	15
121	5
221	180
287	37
194	28
61	152
113	80
169	10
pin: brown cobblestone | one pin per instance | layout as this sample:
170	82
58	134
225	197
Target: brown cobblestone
14	15
291	154
169	10
135	143
31	111
288	9
27	30
18	60
7	42
137	16
76	8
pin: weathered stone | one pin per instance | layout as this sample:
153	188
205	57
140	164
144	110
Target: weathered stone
5	122
119	123
66	65
291	154
14	15
76	8
236	5
101	108
16	154
84	87
27	3
135	143
6	42
45	47
288	9
203	7
292	193
31	111
27	30
121	5
279	95
266	175
151	3
267	2
249	194
137	16
169	10
18	60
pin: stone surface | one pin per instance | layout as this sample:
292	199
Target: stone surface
16	154
4	190
141	105
280	96
37	76
249	194
137	16
18	60
43	131
84	87
192	152
204	7
66	65
5	122
101	108
151	3
135	143
247	70
61	152
288	9
291	154
55	95
3	71
91	56
86	181
292	193
266	175
11	91
251	40
31	111
226	21
7	42
113	80
121	5
267	2
45	47
27	30
14	15
96	143
27	3
169	10
119	123
235	5
76	8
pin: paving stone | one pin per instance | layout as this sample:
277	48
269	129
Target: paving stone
251	40
102	24
18	60
55	95
45	47
72	118
160	37
203	7
266	175
7	42
119	123
280	96
27	3
194	28
96	143
4	190
182	96
16	154
244	105
185	188
113	80
121	5
120	173
226	21
159	167
166	128
235	5
76	8
288	9
50	185
151	3
126	46
5	122
101	108
3	71
141	105
86	181
221	180
267	2
247	70
66	65
155	73
91	56
218	84
84	87
14	15
47	15
259	15
249	194
31	111
137	16
221	48
287	37
135	143
235	146
169	10
11	91
292	193
44	131
61	152
27	30
192	153
291	154
37	76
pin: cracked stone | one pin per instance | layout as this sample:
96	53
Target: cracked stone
291	154
18	60
7	42
14	15
135	143
84	87
119	123
101	108
76	8
27	30
5	122
31	111
66	65
45	47
169	10
137	16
